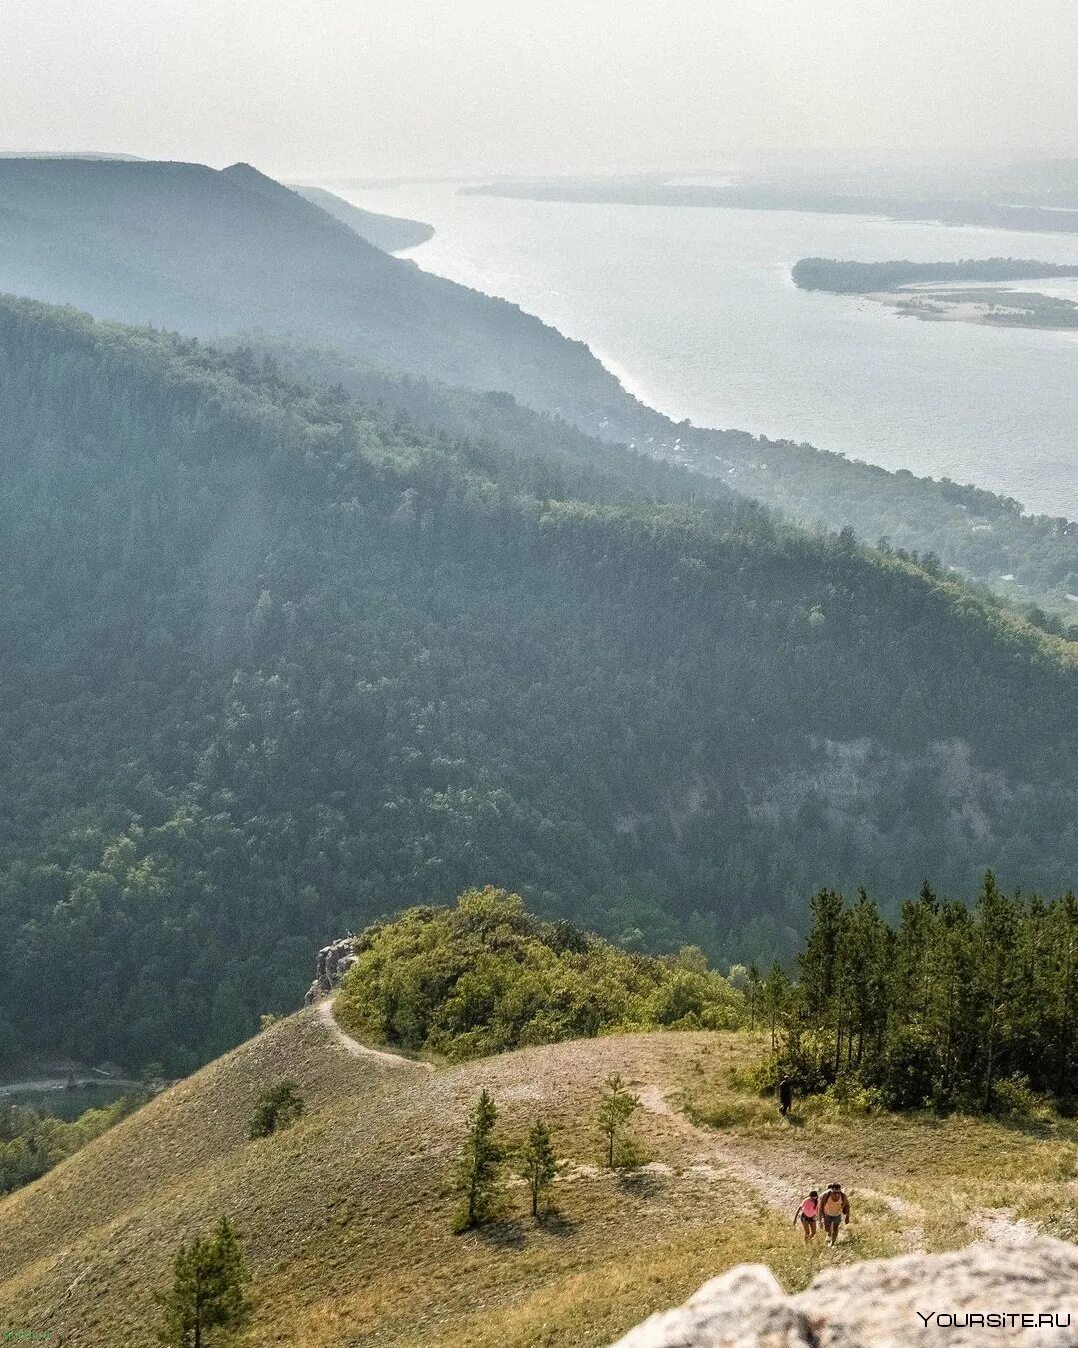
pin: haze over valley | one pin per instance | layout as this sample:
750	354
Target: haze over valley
694	310
538	674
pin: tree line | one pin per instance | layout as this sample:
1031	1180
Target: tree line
851	278
949	1007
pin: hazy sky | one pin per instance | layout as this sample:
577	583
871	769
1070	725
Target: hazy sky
476	86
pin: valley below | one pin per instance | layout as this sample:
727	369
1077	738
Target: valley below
334	588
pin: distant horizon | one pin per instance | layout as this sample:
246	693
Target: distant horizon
837	158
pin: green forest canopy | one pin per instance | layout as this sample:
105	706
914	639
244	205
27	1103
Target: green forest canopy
937	524
278	664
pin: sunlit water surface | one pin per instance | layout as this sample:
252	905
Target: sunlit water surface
694	310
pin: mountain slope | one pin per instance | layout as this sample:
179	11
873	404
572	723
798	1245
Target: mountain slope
188	247
280	664
229	252
1031	560
388	232
346	1217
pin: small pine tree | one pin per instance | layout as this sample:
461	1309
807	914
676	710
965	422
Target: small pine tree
616	1109
479	1168
538	1163
276	1108
775	1003
206	1303
754	981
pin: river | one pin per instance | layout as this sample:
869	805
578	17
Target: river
694	309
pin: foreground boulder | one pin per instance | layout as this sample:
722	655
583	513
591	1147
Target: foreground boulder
977	1296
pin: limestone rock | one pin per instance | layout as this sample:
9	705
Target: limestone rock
332	964
981	1295
745	1308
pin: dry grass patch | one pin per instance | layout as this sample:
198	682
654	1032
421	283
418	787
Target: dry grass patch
943	1172
346	1217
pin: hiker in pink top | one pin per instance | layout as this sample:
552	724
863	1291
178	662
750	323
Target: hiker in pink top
807	1213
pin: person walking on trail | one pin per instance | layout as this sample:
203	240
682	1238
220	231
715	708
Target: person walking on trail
834	1209
806	1214
786	1096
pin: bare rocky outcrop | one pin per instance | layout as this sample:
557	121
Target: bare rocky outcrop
332	964
980	1295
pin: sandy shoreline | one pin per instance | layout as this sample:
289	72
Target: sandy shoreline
1023	309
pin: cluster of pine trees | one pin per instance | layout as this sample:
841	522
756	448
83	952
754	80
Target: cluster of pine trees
483	1158
950	1007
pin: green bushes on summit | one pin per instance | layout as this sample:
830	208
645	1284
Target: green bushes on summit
484	977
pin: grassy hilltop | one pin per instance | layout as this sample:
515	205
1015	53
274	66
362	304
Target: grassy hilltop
346	1217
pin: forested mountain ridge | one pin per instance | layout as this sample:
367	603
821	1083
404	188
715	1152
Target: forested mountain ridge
1027	561
213	252
983	535
277	663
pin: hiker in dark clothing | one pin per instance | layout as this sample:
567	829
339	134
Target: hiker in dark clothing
786	1096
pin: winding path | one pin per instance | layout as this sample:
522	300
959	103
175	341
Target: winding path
782	1189
779	1190
358	1050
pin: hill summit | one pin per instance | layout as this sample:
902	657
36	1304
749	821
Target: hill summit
484	976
